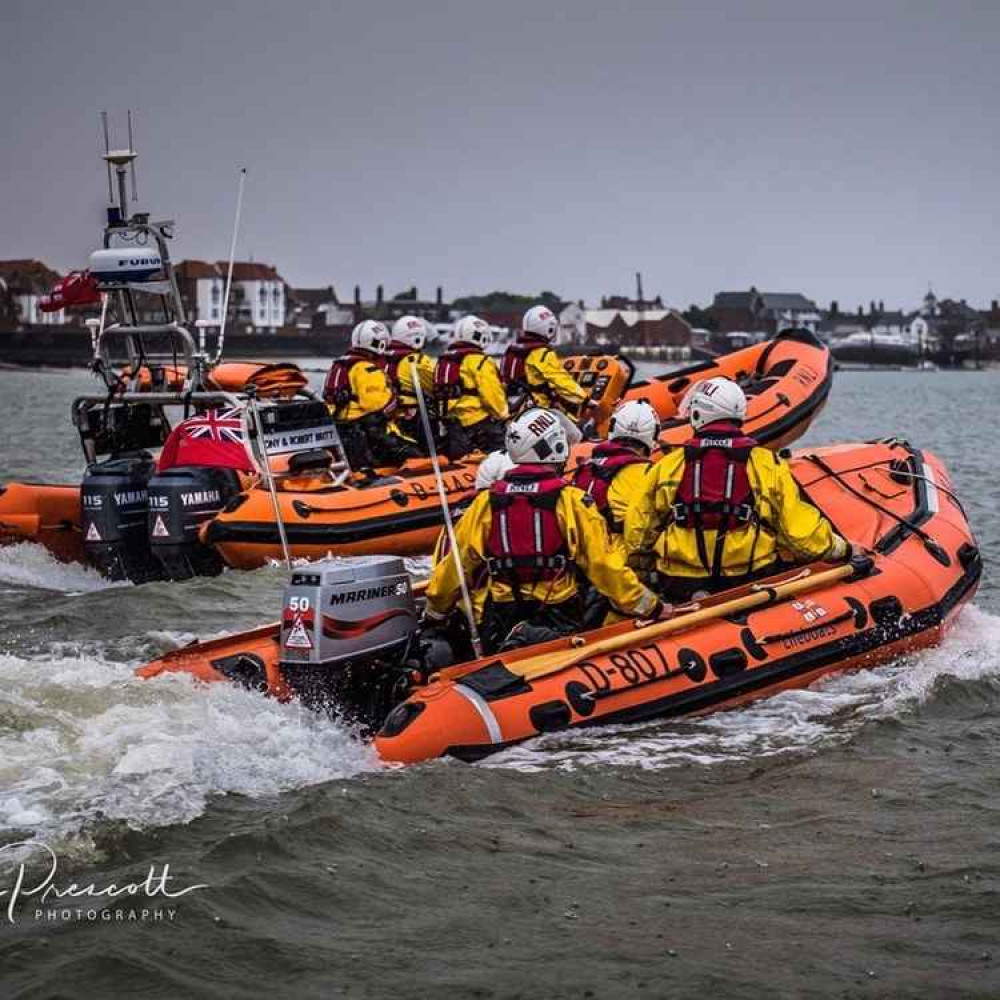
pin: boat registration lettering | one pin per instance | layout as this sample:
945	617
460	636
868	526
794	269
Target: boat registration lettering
634	666
456	483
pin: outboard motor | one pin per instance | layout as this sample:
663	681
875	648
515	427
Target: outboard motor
113	513
181	499
346	634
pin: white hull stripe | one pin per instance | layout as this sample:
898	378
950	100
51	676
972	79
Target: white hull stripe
479	703
933	496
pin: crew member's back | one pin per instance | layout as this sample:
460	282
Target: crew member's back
721	510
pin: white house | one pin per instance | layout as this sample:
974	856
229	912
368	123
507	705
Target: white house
257	300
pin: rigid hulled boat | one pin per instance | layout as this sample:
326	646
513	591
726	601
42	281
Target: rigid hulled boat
393	511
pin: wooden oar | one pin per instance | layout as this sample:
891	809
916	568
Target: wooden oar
543	664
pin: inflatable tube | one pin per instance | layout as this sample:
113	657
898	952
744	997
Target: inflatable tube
398	513
49	515
271	380
782	632
787	381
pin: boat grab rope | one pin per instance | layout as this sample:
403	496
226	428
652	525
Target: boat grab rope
906	523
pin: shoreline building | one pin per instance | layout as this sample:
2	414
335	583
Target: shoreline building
22	284
256	302
755	312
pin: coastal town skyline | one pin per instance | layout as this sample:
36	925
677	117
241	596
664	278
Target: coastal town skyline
582	149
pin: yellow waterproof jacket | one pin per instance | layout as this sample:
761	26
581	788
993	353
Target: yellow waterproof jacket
482	392
479	585
370	392
588	549
550	383
405	393
785	522
625	488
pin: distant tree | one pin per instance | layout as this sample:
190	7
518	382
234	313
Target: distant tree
10	308
699	318
508	302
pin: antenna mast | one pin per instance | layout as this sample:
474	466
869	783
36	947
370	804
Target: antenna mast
640	305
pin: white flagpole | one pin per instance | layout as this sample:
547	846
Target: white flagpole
449	526
232	258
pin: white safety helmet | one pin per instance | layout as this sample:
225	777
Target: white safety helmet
716	398
492	469
540	321
370	336
537	436
472	330
410	330
636	420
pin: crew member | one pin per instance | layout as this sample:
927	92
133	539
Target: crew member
614	474
534	533
715	513
358	392
531	370
467	389
409	334
491	470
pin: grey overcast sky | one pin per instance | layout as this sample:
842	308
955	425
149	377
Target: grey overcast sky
846	150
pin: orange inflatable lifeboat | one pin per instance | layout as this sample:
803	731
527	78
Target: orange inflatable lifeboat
786	380
47	514
781	632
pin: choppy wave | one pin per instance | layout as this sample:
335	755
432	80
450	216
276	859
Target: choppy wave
83	741
33	566
791	722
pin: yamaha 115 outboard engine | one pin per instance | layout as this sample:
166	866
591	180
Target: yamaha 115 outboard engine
181	499
346	634
114	502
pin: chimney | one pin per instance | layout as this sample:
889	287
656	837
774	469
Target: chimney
439	296
834	308
881	306
413	292
379	295
357	296
995	307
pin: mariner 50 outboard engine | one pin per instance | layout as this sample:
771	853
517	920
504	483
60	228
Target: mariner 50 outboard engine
346	634
113	513
181	499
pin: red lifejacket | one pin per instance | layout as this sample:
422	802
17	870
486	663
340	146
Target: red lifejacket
448	372
526	544
715	491
513	367
715	488
392	362
337	389
595	476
